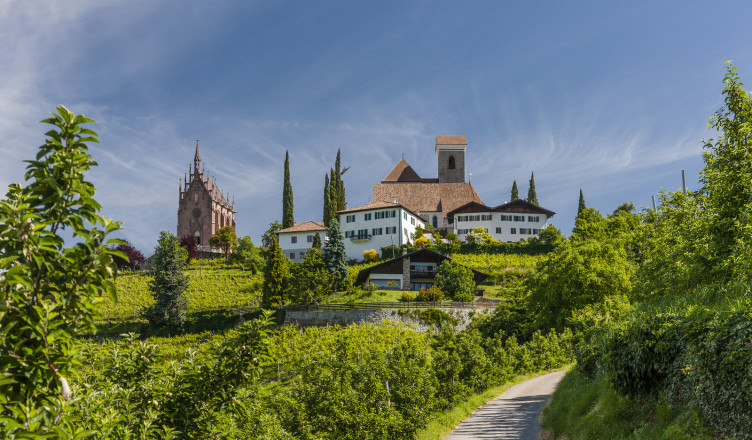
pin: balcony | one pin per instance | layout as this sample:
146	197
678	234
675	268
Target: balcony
422	274
356	238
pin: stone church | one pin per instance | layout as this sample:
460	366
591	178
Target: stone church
202	207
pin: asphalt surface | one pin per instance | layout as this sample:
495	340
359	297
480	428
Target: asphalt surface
513	415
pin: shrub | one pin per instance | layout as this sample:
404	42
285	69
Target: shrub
406	297
370	254
455	280
421	242
432	293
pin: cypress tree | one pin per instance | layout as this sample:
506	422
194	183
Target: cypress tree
581	206
335	257
167	314
287	205
531	197
316	241
275	275
327	205
338	172
515	193
333	194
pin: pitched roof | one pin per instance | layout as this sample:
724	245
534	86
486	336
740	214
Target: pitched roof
451	140
427	197
478	277
519	205
402	172
380	205
304	227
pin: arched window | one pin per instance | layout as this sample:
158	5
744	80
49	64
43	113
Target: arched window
198	238
435	222
451	162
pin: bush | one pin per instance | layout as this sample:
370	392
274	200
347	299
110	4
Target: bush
406	297
432	293
370	254
455	280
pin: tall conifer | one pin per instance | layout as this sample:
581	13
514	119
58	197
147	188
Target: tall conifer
333	194
335	257
531	197
581	206
275	273
515	193
327	201
288	219
338	172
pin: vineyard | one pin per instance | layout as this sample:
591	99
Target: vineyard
207	290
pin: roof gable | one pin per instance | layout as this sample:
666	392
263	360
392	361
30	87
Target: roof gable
402	172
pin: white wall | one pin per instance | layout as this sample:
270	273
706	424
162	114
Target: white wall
521	225
403	224
301	246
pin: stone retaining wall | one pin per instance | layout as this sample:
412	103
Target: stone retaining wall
346	317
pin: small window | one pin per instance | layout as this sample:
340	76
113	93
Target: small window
412	220
435	222
367	216
404	215
451	163
485	217
292	255
293	240
513	231
309	239
394	213
498	230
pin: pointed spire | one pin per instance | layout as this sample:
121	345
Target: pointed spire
197	157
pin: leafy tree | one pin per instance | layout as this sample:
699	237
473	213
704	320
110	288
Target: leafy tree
248	255
581	207
316	241
626	207
270	235
531	197
274	293
479	236
370	254
455	280
188	242
309	281
224	239
327	202
550	235
288	219
133	257
335	257
421	242
167	314
48	291
515	193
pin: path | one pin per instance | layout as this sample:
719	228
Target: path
513	415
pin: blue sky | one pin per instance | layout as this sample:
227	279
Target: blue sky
610	97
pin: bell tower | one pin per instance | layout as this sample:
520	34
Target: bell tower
451	157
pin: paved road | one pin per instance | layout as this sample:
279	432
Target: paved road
513	415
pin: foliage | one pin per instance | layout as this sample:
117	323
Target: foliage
432	293
247	255
275	277
455	280
531	196
550	236
288	219
421	242
406	297
370	255
224	239
581	205
167	314
328	211
480	237
133	257
309	282
515	193
48	291
188	242
335	257
316	241
270	235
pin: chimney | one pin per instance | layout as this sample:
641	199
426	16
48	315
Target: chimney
394	200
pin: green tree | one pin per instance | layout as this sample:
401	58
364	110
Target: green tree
455	280
49	291
274	293
335	257
309	281
288	219
248	255
224	239
581	206
167	314
316	241
515	193
341	200
531	197
626	207
550	235
327	202
270	234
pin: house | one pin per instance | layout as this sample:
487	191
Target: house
431	198
508	222
376	225
298	238
411	271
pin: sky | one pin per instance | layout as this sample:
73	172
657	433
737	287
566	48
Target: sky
612	98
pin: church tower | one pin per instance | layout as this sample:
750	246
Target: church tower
451	152
202	207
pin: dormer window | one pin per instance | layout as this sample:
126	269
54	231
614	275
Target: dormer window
451	162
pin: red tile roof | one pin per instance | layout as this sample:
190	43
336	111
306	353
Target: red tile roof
381	205
427	197
304	227
402	172
451	140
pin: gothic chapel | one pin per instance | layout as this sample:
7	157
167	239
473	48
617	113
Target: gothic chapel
202	207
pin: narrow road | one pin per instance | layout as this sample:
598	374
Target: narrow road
513	415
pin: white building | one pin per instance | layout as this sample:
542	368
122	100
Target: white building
297	239
509	222
376	225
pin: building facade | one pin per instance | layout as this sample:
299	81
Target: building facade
296	240
376	225
202	207
509	222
